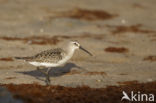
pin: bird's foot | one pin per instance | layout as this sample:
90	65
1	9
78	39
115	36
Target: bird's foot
47	81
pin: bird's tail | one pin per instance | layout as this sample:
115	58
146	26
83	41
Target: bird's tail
22	58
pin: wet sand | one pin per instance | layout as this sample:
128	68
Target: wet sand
120	34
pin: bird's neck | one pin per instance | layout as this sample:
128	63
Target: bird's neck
71	51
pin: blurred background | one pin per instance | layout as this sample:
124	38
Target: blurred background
120	34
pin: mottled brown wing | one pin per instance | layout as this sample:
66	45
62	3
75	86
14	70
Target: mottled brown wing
51	56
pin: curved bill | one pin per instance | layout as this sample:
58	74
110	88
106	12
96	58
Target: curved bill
85	50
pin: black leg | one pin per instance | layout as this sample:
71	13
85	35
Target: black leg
41	71
46	75
47	79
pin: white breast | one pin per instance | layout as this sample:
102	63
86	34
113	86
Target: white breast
44	64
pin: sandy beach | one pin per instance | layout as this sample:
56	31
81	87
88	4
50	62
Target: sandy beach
120	34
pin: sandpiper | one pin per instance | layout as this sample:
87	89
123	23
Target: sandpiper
53	57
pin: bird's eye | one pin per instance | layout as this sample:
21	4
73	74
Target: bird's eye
76	44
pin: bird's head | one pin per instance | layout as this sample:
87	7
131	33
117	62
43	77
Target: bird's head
76	45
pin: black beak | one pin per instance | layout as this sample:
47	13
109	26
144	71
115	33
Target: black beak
85	50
